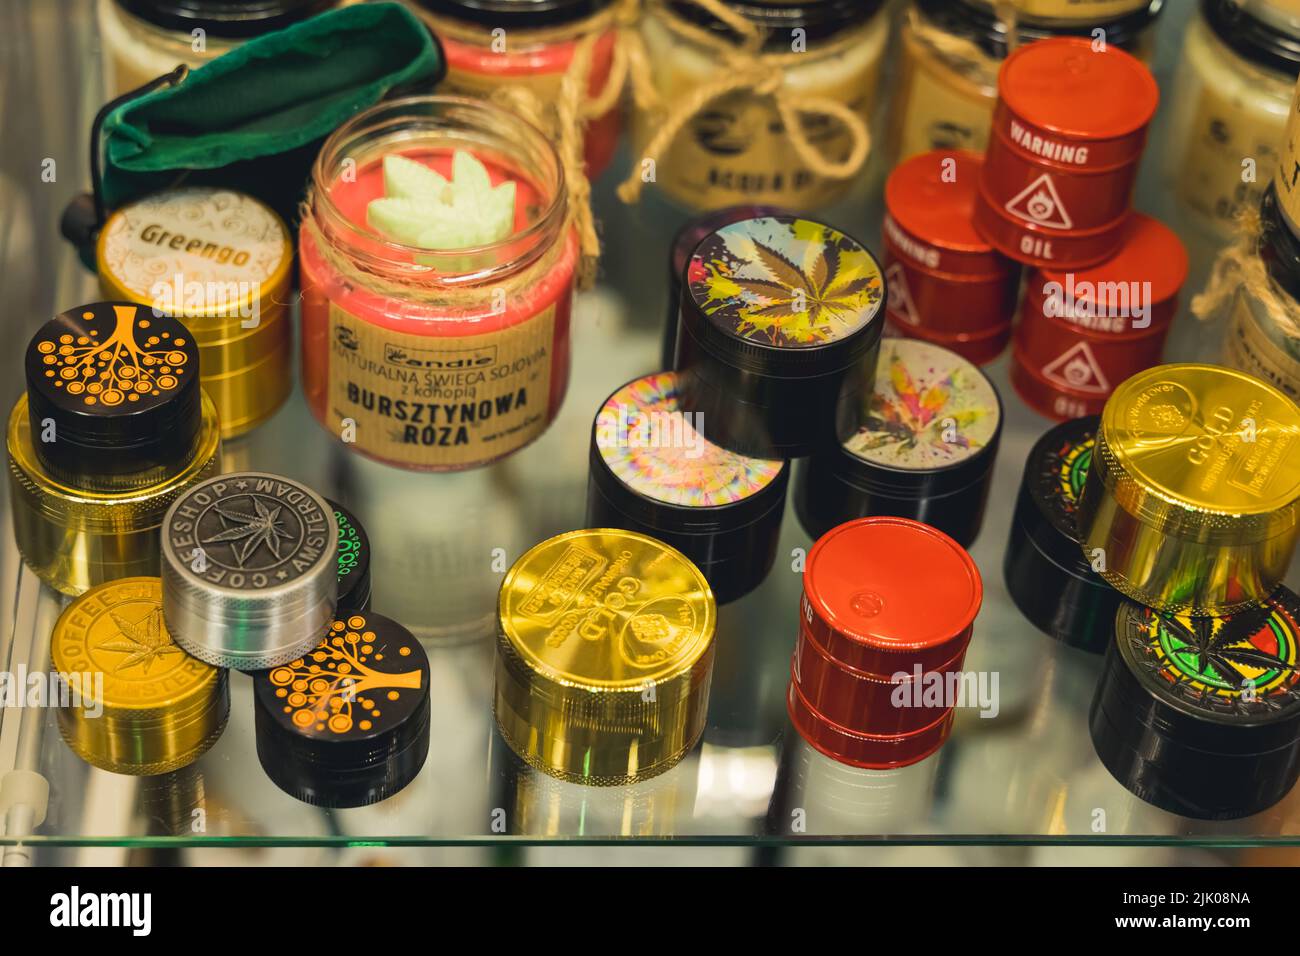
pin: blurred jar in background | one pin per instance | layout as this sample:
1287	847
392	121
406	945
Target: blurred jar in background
490	44
951	50
735	150
143	39
1233	92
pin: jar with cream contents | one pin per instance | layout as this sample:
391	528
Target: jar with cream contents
951	51
144	39
438	265
736	149
1238	69
491	44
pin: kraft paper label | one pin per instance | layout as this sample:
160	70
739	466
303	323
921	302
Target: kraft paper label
440	401
1250	350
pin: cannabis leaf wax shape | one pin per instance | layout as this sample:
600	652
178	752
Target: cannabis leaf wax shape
422	208
801	283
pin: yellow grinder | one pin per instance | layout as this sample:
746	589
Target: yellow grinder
132	701
604	655
1191	500
221	262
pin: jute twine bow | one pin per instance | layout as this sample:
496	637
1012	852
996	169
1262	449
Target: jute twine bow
743	66
968	57
1238	268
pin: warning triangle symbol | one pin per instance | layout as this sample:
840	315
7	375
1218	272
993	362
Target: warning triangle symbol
1077	368
900	296
1040	203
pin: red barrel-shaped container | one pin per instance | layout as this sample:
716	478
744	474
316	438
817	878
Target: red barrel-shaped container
947	285
886	614
1082	333
1068	133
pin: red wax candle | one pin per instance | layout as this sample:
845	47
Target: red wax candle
435	360
530	45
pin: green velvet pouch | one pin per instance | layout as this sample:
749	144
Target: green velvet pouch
254	118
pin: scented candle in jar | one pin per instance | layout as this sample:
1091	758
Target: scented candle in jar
491	44
144	39
735	149
437	264
951	51
1233	93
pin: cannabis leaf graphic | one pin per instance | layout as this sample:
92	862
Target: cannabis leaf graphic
1221	653
250	531
143	642
816	302
914	418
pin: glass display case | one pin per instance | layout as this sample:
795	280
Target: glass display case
1016	782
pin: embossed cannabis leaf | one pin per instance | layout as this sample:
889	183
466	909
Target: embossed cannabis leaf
817	302
250	532
143	641
1222	652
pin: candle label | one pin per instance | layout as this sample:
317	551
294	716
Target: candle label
791	283
653	448
365	678
195	251
440	401
938	108
1250	350
1221	135
931	409
736	151
1244	665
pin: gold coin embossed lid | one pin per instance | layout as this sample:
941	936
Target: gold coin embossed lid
604	655
1191	499
135	702
1204	450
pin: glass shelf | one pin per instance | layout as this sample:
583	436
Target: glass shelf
1024	782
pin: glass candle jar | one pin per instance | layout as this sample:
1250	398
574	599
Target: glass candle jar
112	429
1233	94
221	262
144	39
436	360
1263	328
490	44
735	151
951	51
